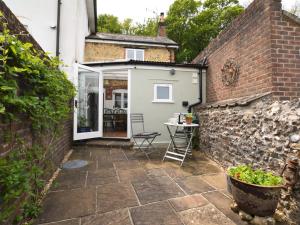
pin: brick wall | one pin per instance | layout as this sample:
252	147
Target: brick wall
110	52
285	53
265	44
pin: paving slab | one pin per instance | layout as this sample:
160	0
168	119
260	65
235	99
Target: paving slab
216	180
193	185
196	167
222	202
105	164
101	177
65	222
127	165
156	172
188	202
118	217
205	215
177	172
111	197
132	175
159	213
68	204
156	189
69	179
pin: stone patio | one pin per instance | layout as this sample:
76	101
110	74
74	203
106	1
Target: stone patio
123	187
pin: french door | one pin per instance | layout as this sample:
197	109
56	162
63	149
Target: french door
88	102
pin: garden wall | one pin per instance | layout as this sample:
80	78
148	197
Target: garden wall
257	131
18	136
11	133
254	118
264	42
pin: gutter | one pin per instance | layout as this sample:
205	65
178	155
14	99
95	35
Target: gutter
58	27
200	88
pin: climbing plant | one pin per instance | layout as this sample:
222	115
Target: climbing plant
33	87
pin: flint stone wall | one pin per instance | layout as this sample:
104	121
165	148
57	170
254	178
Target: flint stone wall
264	133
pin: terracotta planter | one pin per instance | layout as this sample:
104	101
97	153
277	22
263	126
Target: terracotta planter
254	199
188	120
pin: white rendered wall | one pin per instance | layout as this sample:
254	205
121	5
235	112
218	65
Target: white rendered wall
40	15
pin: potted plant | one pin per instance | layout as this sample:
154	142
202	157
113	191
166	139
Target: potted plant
189	118
83	127
256	192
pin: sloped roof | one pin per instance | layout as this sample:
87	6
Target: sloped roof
146	63
132	38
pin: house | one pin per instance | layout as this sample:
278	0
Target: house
115	74
103	47
59	26
138	75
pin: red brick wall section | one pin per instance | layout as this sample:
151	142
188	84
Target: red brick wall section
285	50
265	44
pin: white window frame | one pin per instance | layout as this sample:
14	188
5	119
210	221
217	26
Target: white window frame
122	92
135	53
170	100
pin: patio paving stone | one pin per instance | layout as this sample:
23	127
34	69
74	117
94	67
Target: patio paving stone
105	164
216	180
119	217
111	197
159	213
65	222
122	188
205	215
188	202
127	165
222	202
102	176
69	204
193	185
69	179
156	189
132	175
157	172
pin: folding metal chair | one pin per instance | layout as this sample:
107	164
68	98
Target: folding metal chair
142	140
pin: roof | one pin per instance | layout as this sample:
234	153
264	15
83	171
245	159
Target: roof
147	63
132	39
242	101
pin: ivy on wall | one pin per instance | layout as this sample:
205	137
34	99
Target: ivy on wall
32	87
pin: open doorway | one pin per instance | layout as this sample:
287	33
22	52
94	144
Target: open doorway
115	104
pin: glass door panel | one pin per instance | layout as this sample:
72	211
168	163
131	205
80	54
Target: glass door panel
87	110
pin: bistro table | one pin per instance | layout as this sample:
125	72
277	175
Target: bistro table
181	141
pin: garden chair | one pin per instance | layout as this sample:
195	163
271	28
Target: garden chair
142	140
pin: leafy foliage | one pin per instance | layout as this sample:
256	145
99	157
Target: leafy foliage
110	24
193	24
21	180
32	84
32	87
257	177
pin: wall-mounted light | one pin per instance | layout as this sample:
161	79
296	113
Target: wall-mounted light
172	72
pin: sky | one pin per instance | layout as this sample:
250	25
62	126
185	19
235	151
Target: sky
140	10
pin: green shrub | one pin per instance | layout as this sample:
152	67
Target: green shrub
258	177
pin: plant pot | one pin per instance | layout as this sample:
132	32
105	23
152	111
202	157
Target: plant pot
229	185
83	129
254	199
188	120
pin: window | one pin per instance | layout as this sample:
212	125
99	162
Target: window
120	98
163	93
135	54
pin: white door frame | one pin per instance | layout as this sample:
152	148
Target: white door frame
95	134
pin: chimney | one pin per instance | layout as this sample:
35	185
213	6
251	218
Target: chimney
162	26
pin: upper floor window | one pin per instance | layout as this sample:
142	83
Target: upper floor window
135	54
